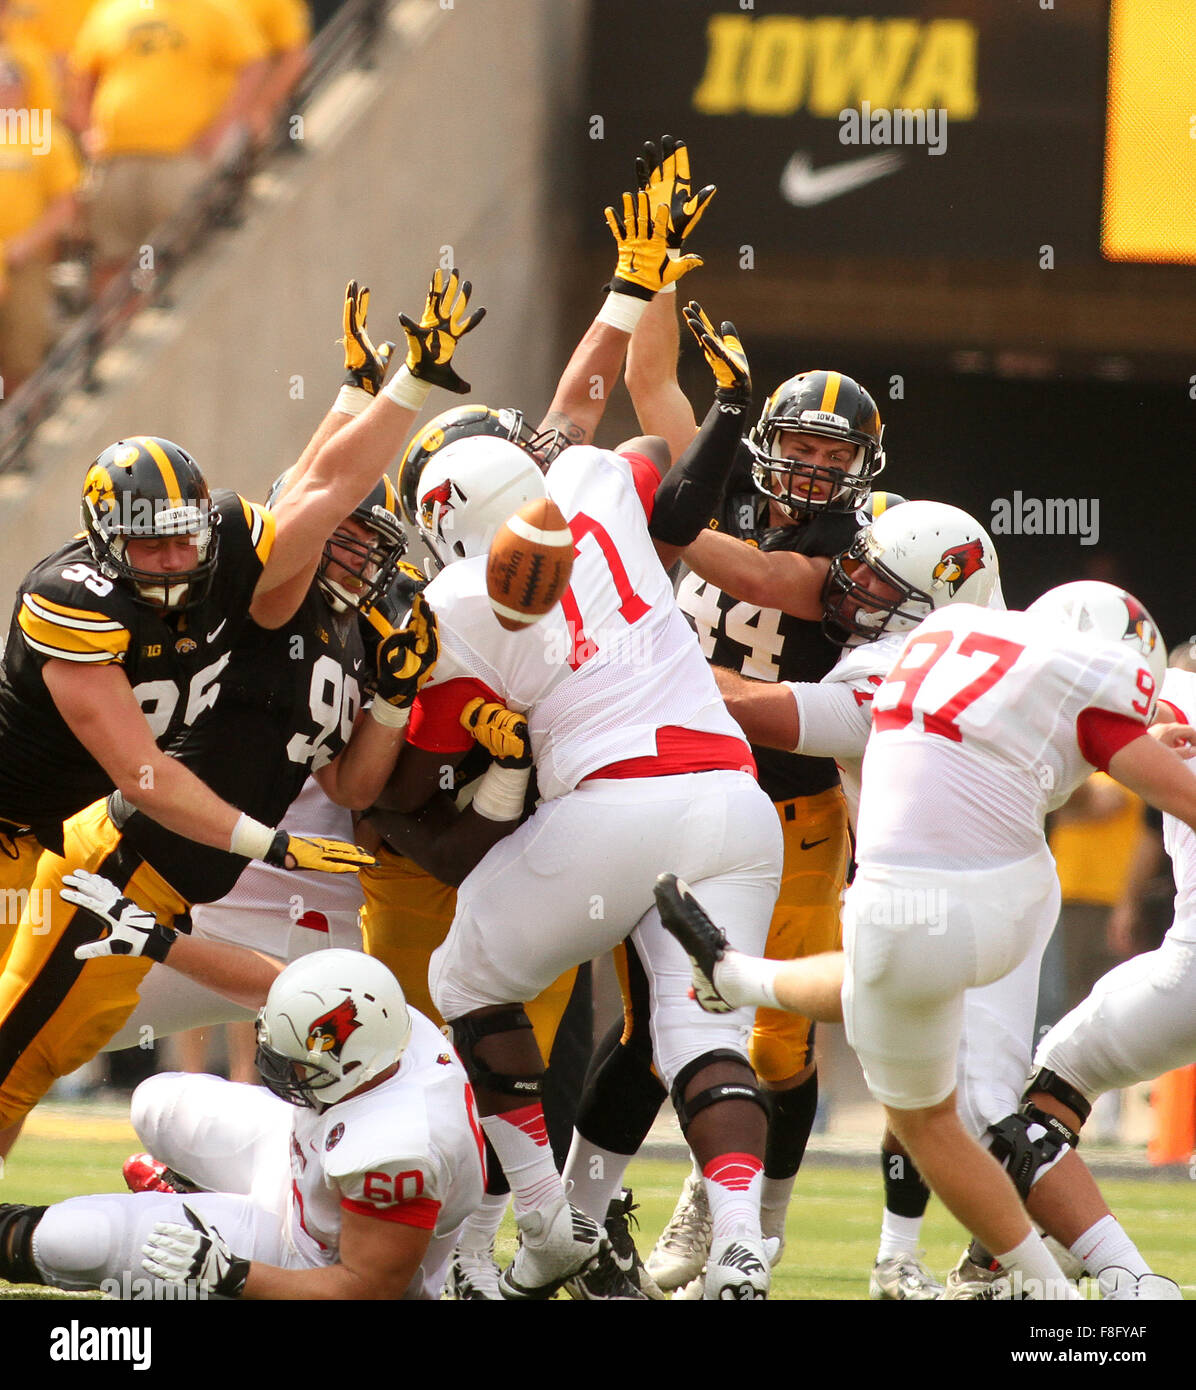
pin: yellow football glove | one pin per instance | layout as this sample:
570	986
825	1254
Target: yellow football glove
316	852
500	731
724	352
432	341
365	365
644	267
664	176
406	655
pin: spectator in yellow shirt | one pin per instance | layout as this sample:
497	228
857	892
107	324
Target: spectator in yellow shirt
39	173
51	24
286	28
157	88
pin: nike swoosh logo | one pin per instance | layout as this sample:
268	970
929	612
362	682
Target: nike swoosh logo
806	187
216	631
811	843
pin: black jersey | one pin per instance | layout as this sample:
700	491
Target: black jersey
288	701
67	610
764	643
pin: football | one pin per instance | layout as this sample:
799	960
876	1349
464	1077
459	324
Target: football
531	559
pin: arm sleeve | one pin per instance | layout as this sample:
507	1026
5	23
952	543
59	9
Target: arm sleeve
646	478
54	629
396	1190
689	495
834	719
1101	733
435	724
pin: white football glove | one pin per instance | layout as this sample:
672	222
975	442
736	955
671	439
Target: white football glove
195	1254
131	930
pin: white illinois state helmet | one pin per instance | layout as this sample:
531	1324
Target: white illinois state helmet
332	1021
468	489
915	557
1107	613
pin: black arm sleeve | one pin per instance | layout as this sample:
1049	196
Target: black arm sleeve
690	493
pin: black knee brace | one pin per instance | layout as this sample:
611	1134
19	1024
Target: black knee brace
469	1030
1021	1156
688	1110
17	1224
1063	1091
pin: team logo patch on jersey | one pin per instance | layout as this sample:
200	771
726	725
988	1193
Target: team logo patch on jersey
335	1135
444	1060
331	1031
186	645
959	564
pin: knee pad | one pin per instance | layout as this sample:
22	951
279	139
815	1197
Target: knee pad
1063	1091
17	1225
1024	1158
689	1110
466	1032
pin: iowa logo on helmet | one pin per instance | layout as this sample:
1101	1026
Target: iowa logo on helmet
1139	627
958	564
331	1031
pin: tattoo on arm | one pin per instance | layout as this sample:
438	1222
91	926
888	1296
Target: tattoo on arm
573	432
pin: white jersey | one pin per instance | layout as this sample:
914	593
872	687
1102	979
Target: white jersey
612	663
409	1150
835	716
974	736
1179	689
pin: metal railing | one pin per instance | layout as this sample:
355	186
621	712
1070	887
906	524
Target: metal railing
347	40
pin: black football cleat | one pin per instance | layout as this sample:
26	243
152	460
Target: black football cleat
703	942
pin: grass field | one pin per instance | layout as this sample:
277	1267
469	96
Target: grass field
832	1230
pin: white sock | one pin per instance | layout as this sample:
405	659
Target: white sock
899	1235
481	1226
593	1176
1034	1269
1104	1244
747	980
520	1140
774	1204
733	1182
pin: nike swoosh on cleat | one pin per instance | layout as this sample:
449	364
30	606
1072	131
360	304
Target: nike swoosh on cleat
805	187
811	844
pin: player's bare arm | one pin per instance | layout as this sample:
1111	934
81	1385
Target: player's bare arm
351	461
1158	776
444	842
764	710
773	579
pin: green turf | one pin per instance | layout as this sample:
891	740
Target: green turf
832	1230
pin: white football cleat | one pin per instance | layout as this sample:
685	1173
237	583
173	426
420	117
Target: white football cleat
969	1281
903	1278
680	1253
1118	1285
554	1245
738	1269
473	1275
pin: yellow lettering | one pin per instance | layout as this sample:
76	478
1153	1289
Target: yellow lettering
774	80
727	39
860	60
944	74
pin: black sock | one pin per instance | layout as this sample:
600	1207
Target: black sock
789	1125
906	1193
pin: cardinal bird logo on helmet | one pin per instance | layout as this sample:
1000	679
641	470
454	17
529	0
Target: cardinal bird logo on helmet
440	496
958	564
331	1031
1140	627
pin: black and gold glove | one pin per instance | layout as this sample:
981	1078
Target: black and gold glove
316	852
501	731
407	656
664	176
644	267
724	353
365	365
432	341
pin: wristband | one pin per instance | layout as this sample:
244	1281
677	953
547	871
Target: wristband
622	311
390	716
251	839
502	792
351	400
406	389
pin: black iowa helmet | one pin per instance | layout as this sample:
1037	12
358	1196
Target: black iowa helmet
148	488
354	573
831	406
466	422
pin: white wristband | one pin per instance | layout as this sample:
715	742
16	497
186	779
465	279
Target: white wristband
251	838
351	400
674	254
390	716
622	311
407	390
502	792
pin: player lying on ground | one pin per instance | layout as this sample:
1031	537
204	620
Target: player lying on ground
350	1182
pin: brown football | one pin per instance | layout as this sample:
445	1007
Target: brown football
531	559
